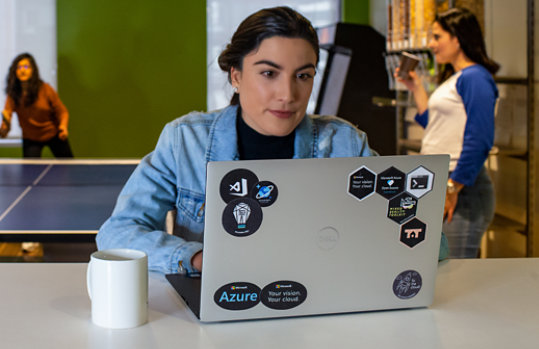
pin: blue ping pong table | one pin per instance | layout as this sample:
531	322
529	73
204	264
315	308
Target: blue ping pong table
58	200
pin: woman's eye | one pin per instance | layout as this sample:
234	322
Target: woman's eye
268	73
304	76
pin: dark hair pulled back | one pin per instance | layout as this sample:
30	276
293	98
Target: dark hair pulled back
266	23
462	24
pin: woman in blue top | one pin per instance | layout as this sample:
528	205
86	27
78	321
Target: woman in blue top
270	61
459	119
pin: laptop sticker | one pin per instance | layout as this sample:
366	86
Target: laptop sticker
419	182
237	184
390	182
402	207
361	183
237	296
407	284
413	232
242	217
283	295
265	192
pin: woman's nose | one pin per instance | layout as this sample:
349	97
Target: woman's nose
286	90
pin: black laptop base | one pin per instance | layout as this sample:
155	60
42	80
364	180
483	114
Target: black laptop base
189	288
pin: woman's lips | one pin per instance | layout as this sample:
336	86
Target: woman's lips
282	114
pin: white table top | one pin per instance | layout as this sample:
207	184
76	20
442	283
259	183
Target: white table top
490	303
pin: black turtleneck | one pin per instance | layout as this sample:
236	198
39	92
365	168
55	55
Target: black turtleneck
254	146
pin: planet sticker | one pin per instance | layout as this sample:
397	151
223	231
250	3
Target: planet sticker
265	192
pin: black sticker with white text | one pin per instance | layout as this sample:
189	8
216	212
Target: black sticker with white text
283	295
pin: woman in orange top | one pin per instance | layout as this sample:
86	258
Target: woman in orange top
42	115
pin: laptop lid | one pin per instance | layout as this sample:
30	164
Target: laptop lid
319	236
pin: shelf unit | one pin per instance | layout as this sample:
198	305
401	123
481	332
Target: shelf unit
521	160
532	206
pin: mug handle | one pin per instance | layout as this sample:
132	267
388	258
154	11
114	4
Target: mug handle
88	279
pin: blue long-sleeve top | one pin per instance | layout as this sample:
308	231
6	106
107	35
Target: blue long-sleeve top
459	121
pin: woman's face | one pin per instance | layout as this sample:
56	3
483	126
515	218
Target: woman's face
24	70
275	84
446	47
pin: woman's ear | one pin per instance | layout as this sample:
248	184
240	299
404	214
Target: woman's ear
235	77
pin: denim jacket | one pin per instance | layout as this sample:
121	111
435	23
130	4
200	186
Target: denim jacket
173	176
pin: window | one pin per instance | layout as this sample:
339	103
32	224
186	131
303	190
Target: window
27	26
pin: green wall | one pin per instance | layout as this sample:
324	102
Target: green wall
10	152
356	11
125	68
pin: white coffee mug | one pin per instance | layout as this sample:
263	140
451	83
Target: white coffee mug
117	282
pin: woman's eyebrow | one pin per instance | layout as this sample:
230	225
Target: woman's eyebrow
277	66
306	66
270	63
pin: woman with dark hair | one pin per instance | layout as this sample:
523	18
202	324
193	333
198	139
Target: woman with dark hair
459	119
270	61
42	115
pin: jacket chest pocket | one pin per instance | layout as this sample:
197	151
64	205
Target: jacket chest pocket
190	214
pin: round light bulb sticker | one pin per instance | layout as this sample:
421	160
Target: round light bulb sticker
242	217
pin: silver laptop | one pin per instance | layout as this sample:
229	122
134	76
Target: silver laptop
318	236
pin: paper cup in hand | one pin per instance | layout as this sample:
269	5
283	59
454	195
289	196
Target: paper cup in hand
117	282
407	64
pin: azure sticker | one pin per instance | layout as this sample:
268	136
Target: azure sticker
242	217
237	296
265	193
283	295
407	284
390	182
236	184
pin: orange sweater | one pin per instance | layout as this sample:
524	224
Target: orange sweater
40	121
